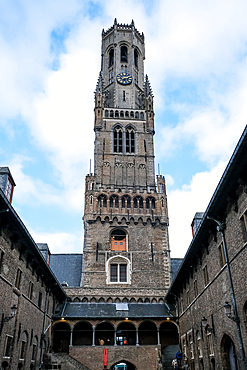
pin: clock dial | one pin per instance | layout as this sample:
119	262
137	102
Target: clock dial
124	78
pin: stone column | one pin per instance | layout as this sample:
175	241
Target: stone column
115	337
158	334
137	337
93	344
71	337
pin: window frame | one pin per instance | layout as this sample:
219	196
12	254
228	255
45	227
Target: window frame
7	345
18	278
118	260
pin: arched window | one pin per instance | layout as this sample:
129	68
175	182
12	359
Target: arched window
138	202
125	201
124	54
118	240
111	113
131	114
142	115
114	201
102	201
111	57
130	140
116	114
127	114
106	113
137	115
118	270
23	345
150	203
121	114
118	139
136	57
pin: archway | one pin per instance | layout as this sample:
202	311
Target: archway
61	337
104	331
168	334
123	365
228	354
126	334
82	334
147	333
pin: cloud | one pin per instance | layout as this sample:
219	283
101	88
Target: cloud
184	203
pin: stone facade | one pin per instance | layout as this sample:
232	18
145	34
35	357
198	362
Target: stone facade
28	284
209	277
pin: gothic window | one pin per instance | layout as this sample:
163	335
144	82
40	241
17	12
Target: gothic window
130	140
114	201
118	139
142	115
124	54
150	203
118	270
138	202
116	114
118	240
127	114
106	113
125	201
131	114
121	114
111	113
199	344
102	201
7	346
18	279
137	115
110	76
136	57
162	202
23	346
111	57
191	347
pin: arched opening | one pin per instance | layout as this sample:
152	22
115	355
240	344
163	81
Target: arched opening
61	337
111	113
131	114
126	334
138	202
111	57
82	334
147	333
150	203
130	140
127	114
104	334
228	354
116	114
168	334
23	345
142	115
137	115
114	201
121	114
118	139
125	201
102	201
136	58
123	365
124	54
118	240
106	113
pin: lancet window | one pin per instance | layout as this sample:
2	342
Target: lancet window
118	139
130	140
138	202
111	57
150	203
114	201
125	201
124	54
102	201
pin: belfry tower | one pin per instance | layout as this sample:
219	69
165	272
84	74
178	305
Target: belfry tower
118	318
126	248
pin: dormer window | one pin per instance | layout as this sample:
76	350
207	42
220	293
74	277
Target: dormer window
124	54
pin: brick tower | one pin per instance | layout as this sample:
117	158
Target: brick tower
126	248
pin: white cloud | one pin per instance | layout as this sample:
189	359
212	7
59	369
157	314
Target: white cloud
184	203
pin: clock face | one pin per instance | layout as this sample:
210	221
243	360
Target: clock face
124	78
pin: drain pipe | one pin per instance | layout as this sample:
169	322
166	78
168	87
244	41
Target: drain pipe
220	228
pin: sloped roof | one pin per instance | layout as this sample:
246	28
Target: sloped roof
115	310
67	268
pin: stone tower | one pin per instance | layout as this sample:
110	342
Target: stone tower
126	248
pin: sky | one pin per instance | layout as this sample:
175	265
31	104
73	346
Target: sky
196	60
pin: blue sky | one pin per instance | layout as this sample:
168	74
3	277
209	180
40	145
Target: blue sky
196	60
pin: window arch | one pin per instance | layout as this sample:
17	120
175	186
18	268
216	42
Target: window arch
150	203
137	115
125	201
142	115
106	113
131	114
111	57
136	57
118	139
102	201
111	113
117	114
138	202
118	270
124	54
114	201
130	140
118	240
121	114
127	114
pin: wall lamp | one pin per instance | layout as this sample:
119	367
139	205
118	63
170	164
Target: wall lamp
206	326
6	319
228	312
